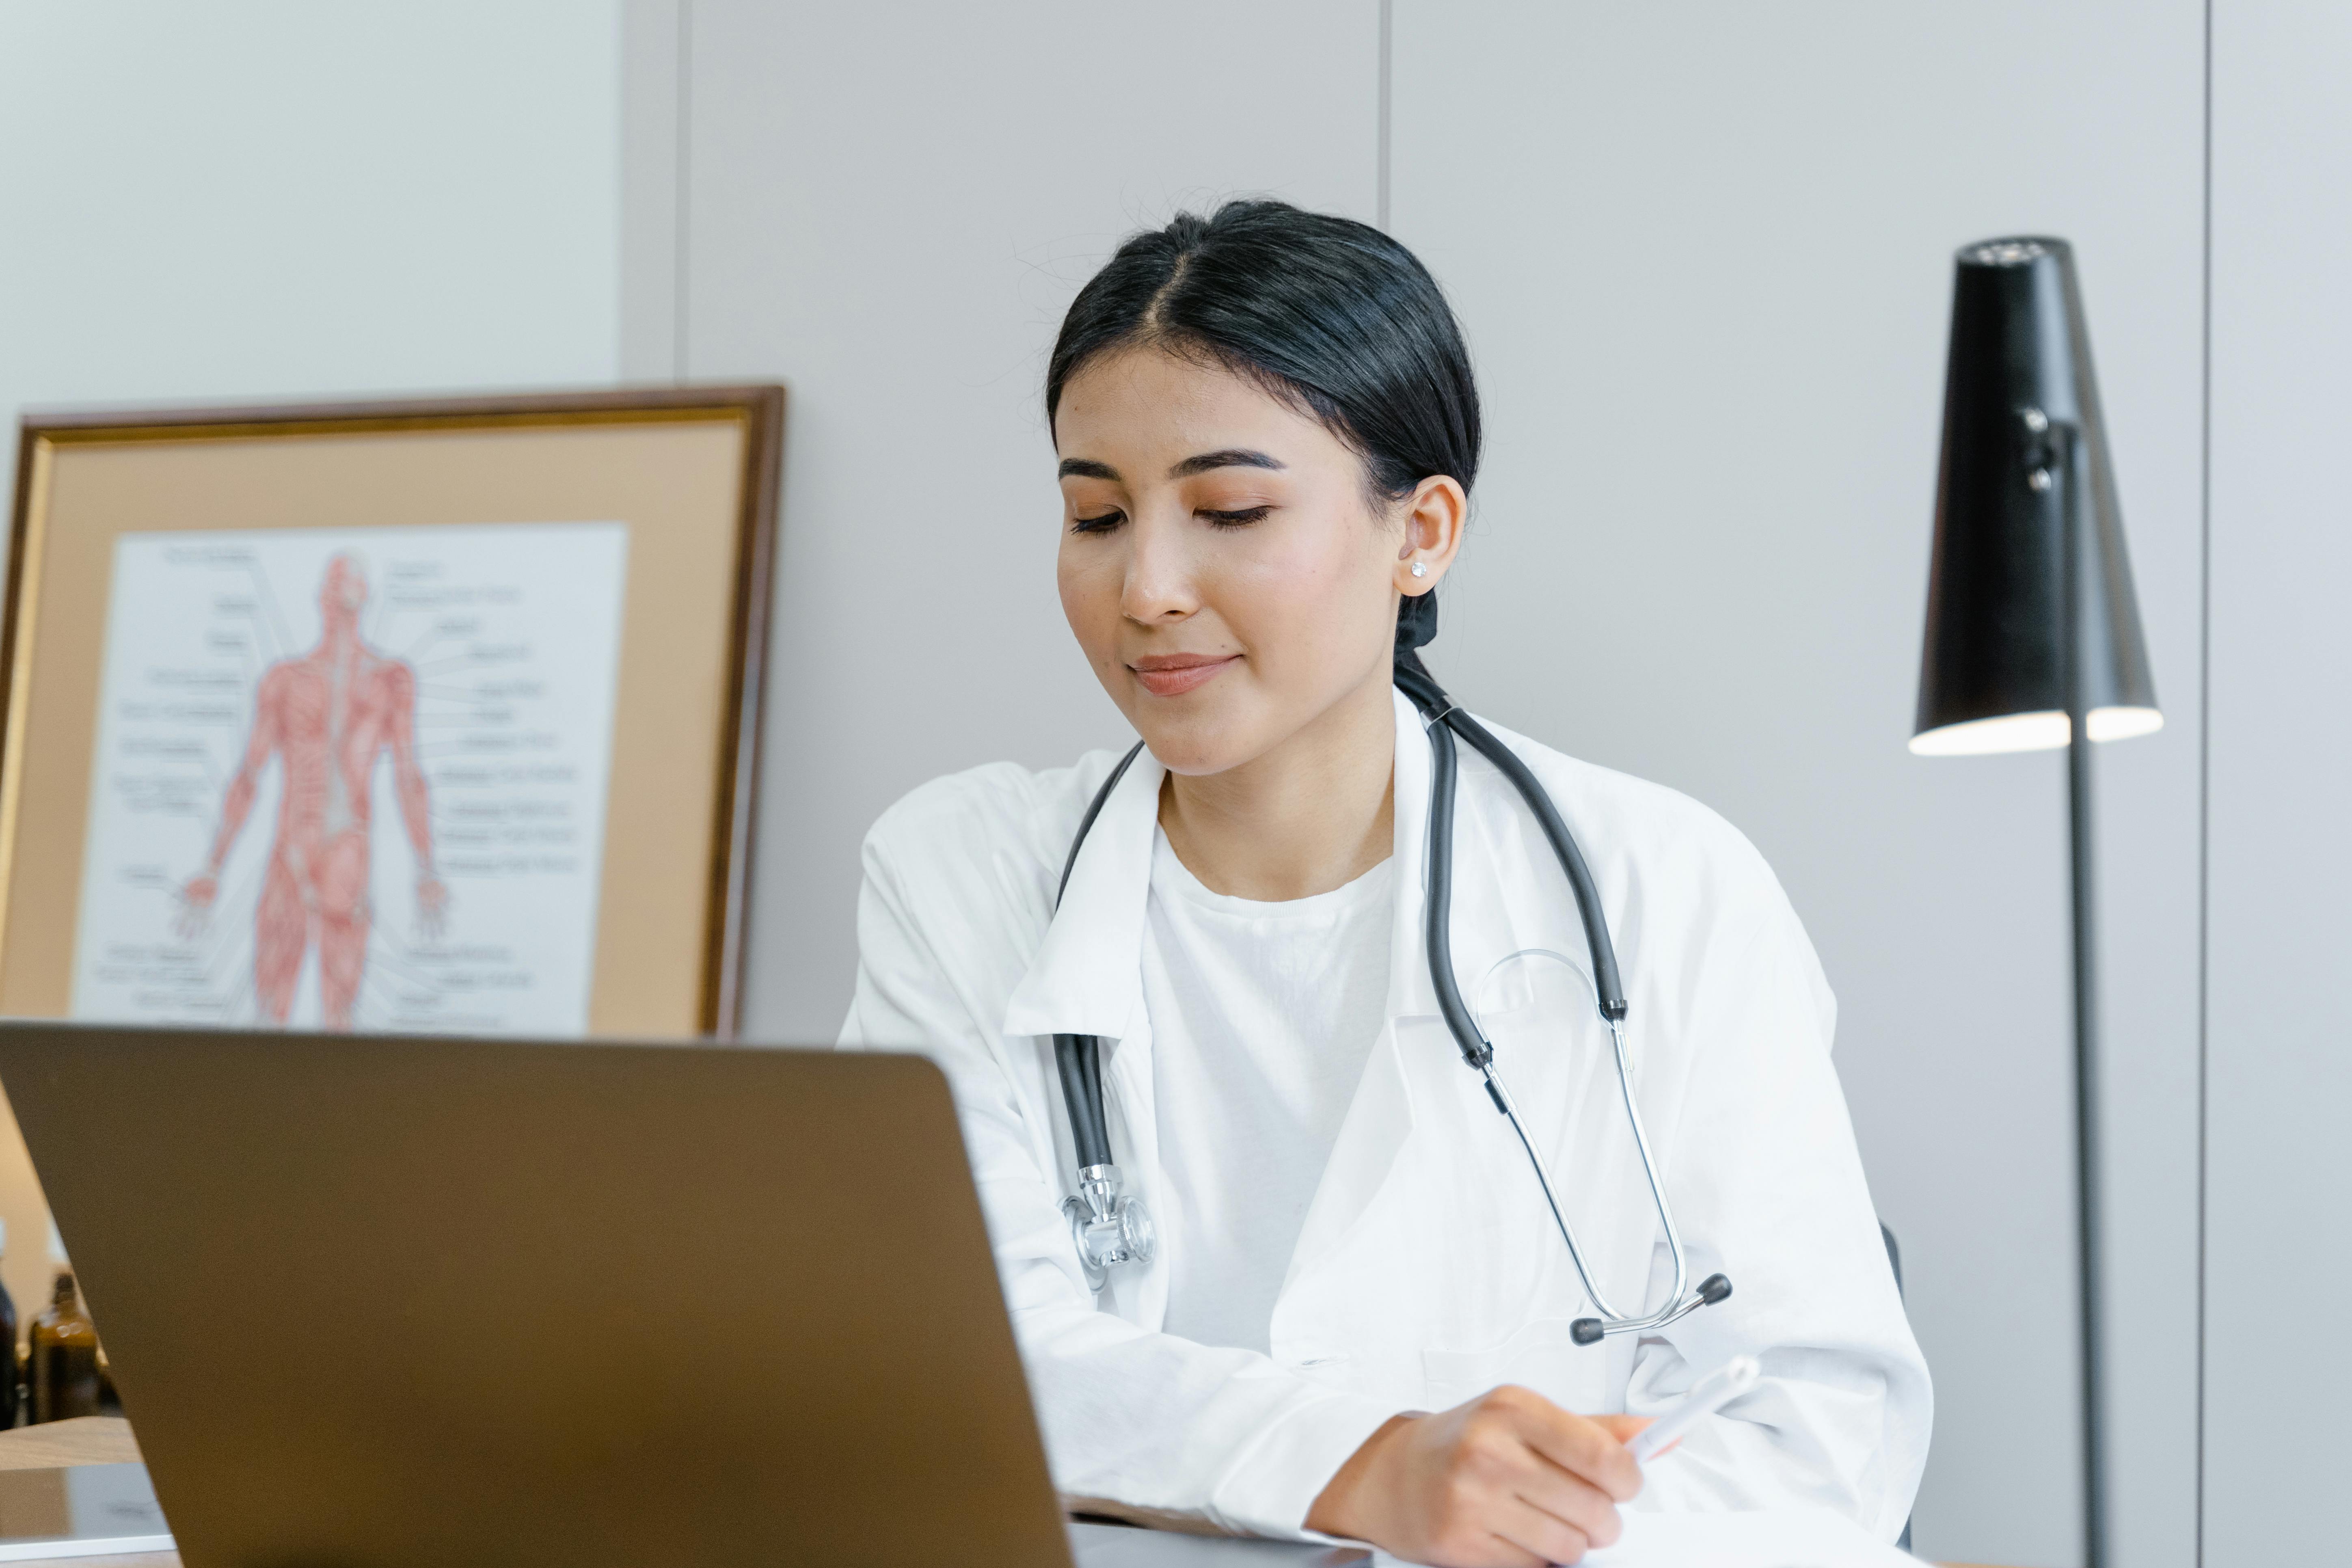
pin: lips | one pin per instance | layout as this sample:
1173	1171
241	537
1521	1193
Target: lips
1173	674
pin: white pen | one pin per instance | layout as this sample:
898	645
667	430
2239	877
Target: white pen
1709	1394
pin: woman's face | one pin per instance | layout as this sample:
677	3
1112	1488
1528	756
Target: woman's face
1221	563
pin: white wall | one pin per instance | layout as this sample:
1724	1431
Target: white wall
2278	1013
285	200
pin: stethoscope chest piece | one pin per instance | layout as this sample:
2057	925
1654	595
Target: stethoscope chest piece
1107	1225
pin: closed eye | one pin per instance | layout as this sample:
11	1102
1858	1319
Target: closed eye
1102	523
1241	519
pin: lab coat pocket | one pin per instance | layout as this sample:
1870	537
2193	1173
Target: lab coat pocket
1542	1356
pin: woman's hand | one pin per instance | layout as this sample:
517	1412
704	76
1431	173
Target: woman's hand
1508	1480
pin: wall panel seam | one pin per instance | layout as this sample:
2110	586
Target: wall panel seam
680	277
2204	753
1388	36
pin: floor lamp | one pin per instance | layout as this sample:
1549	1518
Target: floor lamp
2033	638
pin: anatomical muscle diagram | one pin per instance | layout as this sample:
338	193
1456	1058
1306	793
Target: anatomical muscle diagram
352	779
326	717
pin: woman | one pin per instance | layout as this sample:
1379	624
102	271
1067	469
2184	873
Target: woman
1267	431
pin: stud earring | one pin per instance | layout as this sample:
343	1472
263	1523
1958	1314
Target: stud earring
1419	570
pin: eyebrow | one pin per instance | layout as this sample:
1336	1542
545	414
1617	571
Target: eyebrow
1201	463
1231	458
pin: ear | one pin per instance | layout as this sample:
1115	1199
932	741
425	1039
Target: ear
1434	516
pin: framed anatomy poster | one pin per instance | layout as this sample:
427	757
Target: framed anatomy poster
434	716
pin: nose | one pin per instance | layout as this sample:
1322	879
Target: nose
1159	587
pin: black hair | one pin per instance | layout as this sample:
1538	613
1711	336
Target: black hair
1327	313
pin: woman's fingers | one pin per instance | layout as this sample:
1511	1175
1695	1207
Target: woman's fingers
1502	1552
1624	1429
1535	1530
1507	1480
1577	1504
1536	1458
1575	1444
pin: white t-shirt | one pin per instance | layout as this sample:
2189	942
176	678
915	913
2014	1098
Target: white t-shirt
1262	1018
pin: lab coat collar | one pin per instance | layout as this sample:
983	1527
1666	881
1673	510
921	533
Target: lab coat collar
1416	1054
1380	1118
1087	976
1088	979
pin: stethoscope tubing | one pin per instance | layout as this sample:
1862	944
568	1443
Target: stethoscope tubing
1442	721
1078	1058
1438	938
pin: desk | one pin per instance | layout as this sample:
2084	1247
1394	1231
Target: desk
85	1440
107	1440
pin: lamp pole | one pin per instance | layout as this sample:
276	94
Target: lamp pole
2031	611
2055	458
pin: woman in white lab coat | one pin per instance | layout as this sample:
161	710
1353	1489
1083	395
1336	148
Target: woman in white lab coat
1357	1321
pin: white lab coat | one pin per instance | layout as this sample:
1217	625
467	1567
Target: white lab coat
1428	1269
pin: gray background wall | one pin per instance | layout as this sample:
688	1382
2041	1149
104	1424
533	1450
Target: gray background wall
1702	250
2280	1017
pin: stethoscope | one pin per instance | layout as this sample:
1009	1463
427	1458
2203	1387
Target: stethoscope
1111	1226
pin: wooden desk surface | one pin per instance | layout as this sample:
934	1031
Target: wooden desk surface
85	1440
107	1440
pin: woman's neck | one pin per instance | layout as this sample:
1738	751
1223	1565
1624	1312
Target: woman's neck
1314	813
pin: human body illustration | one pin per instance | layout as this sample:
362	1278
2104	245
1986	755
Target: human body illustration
327	715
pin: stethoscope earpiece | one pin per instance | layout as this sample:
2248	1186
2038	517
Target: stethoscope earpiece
1711	1290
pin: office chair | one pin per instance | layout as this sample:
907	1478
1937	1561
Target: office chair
1895	1261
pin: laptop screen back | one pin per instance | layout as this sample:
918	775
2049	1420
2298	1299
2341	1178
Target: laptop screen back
425	1300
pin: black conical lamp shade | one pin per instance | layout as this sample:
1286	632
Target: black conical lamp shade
2018	387
2032	630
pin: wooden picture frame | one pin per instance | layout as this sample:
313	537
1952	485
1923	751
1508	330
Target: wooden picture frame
634	529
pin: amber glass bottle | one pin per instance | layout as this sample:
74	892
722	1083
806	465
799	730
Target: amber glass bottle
64	1354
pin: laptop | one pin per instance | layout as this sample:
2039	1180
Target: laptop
407	1300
